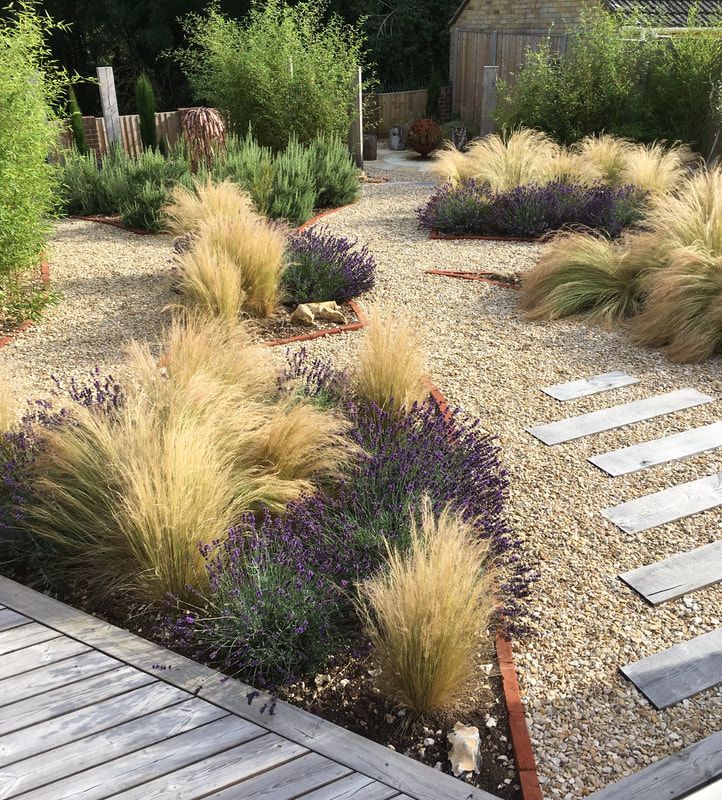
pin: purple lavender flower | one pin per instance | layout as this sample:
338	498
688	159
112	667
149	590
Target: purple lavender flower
322	267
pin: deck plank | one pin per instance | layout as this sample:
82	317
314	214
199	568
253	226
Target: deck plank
671	778
66	699
24	636
78	724
287	781
40	655
142	766
63	673
678	575
679	672
354	751
106	746
353	787
232	766
659	451
588	386
669	505
11	619
608	419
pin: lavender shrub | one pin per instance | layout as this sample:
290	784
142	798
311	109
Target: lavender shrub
280	599
531	211
323	267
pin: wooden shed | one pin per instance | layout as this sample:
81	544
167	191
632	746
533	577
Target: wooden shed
490	38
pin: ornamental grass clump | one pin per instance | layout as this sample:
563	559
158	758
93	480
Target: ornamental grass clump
655	168
321	266
428	611
581	274
189	207
606	153
390	368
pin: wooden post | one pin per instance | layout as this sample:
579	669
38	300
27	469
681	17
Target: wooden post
356	137
488	101
109	103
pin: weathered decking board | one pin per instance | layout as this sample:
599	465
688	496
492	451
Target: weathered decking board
669	505
607	419
678	575
96	711
659	451
679	672
671	778
587	386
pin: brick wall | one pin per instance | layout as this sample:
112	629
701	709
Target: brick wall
516	15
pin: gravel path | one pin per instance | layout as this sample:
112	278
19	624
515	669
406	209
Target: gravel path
588	725
113	287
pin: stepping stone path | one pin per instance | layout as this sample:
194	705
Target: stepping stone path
670	676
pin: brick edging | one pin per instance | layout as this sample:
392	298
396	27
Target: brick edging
485	277
518	728
435	234
321	214
307	337
28	323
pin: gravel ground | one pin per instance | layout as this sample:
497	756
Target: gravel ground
113	287
588	725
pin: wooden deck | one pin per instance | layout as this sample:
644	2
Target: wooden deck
90	711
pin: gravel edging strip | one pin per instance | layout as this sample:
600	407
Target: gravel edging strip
518	727
23	326
307	337
485	277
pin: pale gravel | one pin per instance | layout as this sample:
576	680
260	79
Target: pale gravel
589	726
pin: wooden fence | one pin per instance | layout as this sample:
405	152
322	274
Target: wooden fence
167	126
400	108
472	50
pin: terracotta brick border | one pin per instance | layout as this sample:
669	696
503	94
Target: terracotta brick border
321	215
485	277
518	728
23	326
434	234
307	337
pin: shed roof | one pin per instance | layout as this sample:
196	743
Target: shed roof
674	13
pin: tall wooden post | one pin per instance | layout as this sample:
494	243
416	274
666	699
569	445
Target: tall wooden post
109	104
488	101
356	137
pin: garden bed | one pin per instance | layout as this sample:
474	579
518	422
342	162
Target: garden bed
116	222
279	330
436	234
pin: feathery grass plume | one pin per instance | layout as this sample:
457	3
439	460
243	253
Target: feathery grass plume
429	611
190	207
581	274
194	345
569	167
520	158
390	367
692	216
655	168
8	406
450	164
607	153
683	306
256	248
210	282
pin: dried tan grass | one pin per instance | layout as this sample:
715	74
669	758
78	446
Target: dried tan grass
581	274
655	168
569	167
390	368
683	308
450	164
190	207
9	410
606	153
429	611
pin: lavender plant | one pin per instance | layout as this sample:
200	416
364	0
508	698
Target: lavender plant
322	267
470	207
280	602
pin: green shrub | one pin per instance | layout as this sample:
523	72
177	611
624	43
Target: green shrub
31	91
76	122
294	187
335	174
251	166
620	81
145	104
286	70
80	186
